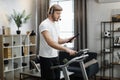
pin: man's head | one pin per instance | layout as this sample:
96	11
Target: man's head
54	12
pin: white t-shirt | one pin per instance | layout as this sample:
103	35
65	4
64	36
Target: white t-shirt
45	49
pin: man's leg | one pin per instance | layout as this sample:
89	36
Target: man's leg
46	72
56	71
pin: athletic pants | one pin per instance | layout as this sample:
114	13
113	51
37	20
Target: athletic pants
46	72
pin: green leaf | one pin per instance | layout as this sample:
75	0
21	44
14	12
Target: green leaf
26	18
20	18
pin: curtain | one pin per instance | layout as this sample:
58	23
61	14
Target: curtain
80	23
43	8
44	5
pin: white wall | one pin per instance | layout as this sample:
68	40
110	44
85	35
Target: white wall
6	9
98	12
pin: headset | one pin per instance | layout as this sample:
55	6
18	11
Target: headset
51	10
54	8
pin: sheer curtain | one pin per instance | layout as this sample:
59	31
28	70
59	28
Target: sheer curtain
80	23
43	8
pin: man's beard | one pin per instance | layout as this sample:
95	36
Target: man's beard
54	19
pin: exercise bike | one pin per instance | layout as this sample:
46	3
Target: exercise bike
80	56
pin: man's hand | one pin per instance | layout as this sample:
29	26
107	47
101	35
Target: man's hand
72	38
69	40
70	51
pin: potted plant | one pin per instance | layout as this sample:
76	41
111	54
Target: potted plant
20	18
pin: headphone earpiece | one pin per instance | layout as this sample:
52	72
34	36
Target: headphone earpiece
51	10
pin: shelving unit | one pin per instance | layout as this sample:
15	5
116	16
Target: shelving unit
15	54
110	45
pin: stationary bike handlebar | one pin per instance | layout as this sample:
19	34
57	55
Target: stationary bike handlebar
77	59
82	52
80	56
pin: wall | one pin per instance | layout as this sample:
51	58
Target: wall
98	12
6	9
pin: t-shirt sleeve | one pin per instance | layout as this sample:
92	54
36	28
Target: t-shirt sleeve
43	28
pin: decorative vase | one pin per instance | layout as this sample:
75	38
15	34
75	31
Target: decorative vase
18	31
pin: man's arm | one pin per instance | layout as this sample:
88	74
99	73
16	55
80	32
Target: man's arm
67	40
62	41
54	44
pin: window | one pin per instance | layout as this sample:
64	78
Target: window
67	19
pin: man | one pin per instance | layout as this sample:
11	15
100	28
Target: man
50	43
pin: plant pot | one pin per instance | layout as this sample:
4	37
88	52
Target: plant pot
18	31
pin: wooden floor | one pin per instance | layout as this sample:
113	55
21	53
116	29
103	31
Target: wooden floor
75	78
97	78
107	79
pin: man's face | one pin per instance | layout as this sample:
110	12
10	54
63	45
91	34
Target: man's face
56	15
